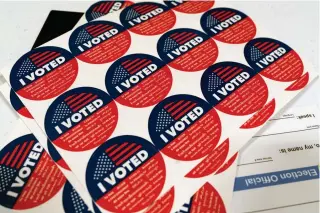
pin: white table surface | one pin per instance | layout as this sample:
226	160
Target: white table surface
294	22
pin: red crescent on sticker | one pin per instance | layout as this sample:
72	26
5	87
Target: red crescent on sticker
227	164
163	204
211	162
300	83
243	31
194	6
261	116
207	200
287	68
249	98
25	112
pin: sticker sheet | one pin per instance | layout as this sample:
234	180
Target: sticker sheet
155	96
30	179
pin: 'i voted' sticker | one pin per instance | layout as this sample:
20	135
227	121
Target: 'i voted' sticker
273	59
125	174
102	8
206	199
56	157
148	18
190	6
18	105
184	127
234	88
72	202
138	80
228	25
29	177
187	49
99	42
43	73
81	119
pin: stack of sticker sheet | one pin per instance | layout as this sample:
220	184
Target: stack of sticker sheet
143	106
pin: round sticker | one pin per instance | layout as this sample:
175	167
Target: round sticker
43	73
228	25
184	127
125	174
18	105
99	42
206	199
190	6
234	88
72	202
187	49
273	59
102	8
29	177
56	157
148	18
81	119
138	80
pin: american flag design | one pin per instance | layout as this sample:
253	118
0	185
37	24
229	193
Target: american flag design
12	158
260	49
112	155
72	202
91	31
176	39
139	9
36	60
102	8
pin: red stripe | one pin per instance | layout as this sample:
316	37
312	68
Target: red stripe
101	31
174	106
216	70
117	149
132	62
80	101
140	67
225	18
33	55
266	47
228	72
68	98
96	29
128	155
140	8
95	9
48	60
214	12
106	10
117	156
187	39
130	68
220	13
25	154
226	14
273	48
234	74
12	154
93	27
185	111
85	103
124	63
174	34
263	44
178	35
224	70
37	61
39	56
179	109
183	37
169	104
147	10
19	154
256	44
101	5
110	148
5	157
76	98
104	7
